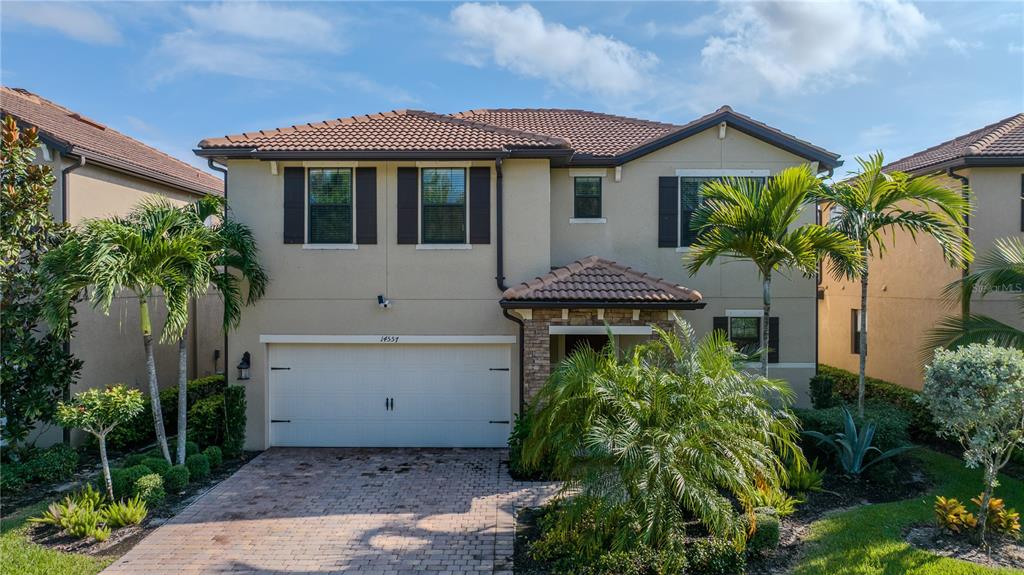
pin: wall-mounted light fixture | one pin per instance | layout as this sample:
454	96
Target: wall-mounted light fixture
383	302
243	367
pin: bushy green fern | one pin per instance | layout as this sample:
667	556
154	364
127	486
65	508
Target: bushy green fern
125	512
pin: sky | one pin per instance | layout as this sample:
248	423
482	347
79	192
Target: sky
853	77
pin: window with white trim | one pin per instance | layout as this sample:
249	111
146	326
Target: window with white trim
443	206
587	197
331	217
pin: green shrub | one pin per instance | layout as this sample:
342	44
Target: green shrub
823	393
134	459
175	478
198	467
191	448
922	427
517	468
12	478
714	557
778	500
126	512
215	455
234	421
139	430
84	522
206	421
891	423
852	448
766	532
50	465
156	464
135	432
809	478
150	488
642	561
124	479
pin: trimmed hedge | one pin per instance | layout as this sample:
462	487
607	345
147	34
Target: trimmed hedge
206	421
766	532
891	423
139	430
175	478
124	479
151	489
714	557
922	427
215	455
156	464
198	467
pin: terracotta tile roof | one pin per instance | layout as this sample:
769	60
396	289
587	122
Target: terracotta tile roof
599	280
401	130
99	143
589	133
1003	139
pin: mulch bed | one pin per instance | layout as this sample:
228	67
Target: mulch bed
122	540
1002	551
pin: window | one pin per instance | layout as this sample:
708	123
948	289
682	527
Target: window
587	197
690	200
745	334
443	196
855	331
330	205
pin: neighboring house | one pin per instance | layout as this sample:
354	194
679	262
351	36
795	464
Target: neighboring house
406	249
99	173
904	294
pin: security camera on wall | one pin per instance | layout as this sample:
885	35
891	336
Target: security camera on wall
383	302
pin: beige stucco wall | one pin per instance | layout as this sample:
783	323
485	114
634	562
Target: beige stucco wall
630	237
110	346
904	291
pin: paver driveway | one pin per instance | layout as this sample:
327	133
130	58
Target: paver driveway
347	510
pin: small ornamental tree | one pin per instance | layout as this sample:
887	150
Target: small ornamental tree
976	395
35	368
98	411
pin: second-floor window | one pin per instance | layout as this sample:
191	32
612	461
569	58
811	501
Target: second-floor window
690	199
587	197
443	202
330	206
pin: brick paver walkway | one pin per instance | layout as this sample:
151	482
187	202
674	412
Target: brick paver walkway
367	511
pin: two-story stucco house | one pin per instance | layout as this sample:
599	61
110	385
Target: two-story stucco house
427	269
101	172
905	292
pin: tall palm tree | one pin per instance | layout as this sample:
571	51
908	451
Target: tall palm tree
139	254
231	251
742	218
874	204
1002	268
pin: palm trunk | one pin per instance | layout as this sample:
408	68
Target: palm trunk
764	322
154	388
182	396
106	465
863	335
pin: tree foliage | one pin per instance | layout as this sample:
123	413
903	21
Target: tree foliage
35	369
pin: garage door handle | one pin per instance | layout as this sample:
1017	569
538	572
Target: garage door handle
499	369
280	421
279	368
505	421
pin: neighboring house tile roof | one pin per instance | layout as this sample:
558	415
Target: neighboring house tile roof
82	136
1001	143
574	137
588	133
595	279
401	130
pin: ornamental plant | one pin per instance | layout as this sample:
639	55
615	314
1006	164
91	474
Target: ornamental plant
976	395
98	412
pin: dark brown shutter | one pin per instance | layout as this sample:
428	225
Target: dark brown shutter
773	340
854	332
668	212
408	206
294	205
366	205
480	205
721	323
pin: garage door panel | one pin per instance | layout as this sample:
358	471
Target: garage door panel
335	395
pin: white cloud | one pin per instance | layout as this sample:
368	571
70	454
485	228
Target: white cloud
962	46
794	46
877	133
269	23
1015	48
73	20
522	41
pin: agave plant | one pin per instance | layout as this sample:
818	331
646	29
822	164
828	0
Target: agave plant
852	446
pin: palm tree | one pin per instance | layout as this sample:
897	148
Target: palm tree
874	204
742	218
674	430
1002	268
230	249
139	254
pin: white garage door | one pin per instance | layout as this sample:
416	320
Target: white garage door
351	395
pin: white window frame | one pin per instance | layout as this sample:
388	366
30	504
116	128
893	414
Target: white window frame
307	245
705	173
420	166
600	174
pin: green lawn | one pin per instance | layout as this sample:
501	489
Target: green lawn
19	557
869	540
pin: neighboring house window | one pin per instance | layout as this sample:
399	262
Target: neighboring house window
855	331
330	205
443	197
690	200
745	334
587	197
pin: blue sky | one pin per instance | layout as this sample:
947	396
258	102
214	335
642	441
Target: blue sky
850	76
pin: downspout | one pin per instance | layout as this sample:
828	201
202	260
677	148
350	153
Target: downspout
224	170
965	299
499	277
64	215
